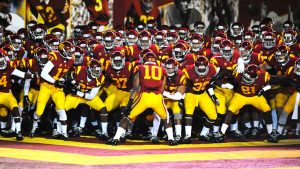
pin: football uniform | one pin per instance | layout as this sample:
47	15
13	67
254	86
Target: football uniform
245	94
290	104
223	94
189	60
196	94
295	49
54	14
266	53
151	88
171	86
48	89
166	53
122	79
81	78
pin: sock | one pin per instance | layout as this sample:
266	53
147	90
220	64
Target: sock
274	119
63	129
178	130
104	127
216	129
188	131
248	125
255	124
82	121
58	127
55	123
169	132
17	124
118	124
13	125
156	124
3	124
204	131
269	128
280	129
298	126
234	126
224	128
130	126
120	132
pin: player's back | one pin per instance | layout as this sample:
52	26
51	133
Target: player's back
151	78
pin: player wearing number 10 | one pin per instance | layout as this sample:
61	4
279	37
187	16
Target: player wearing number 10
52	83
148	85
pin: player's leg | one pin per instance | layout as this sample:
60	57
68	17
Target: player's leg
177	120
190	102
287	109
58	97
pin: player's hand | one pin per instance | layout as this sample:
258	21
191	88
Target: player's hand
59	84
215	99
26	102
260	92
241	66
227	86
181	103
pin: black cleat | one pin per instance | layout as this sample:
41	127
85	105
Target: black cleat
172	143
19	136
104	137
218	137
205	138
297	133
9	133
247	132
64	136
236	134
273	137
55	134
187	140
113	142
178	139
154	140
255	133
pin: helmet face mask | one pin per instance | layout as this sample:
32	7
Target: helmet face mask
131	39
144	42
196	45
16	44
78	58
66	50
179	54
199	29
289	38
245	54
108	42
41	56
54	46
281	57
226	53
250	74
268	40
94	69
297	68
38	33
171	67
201	66
3	62
118	62
160	40
247	78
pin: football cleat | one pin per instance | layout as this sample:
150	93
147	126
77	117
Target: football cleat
172	143
104	137
204	138
273	137
64	136
98	134
113	142
19	136
236	134
178	139
284	135
247	132
187	140
154	140
255	133
9	133
297	133
218	137
55	134
77	132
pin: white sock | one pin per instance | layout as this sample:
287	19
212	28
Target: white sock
248	125
3	124
82	121
54	121
130	126
216	128
255	124
204	131
120	132
269	128
224	128
234	126
63	129
298	126
169	132
274	119
156	124
178	130
104	127
13	125
58	126
188	131
151	130
280	129
118	124
94	123
18	126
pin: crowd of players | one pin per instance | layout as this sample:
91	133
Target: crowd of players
233	78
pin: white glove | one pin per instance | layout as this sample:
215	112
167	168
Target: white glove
241	66
227	86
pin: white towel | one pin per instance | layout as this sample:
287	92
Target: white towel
295	113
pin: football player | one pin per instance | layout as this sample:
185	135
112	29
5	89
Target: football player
200	93
53	82
149	83
181	55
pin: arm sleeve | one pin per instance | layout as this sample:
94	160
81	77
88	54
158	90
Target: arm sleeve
18	73
92	93
45	72
26	87
176	96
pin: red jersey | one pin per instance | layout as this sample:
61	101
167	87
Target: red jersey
122	79
135	51
295	49
61	66
5	77
166	53
250	90
151	78
281	69
174	82
256	58
86	84
266	53
189	60
222	63
290	73
52	13
197	84
205	52
98	10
